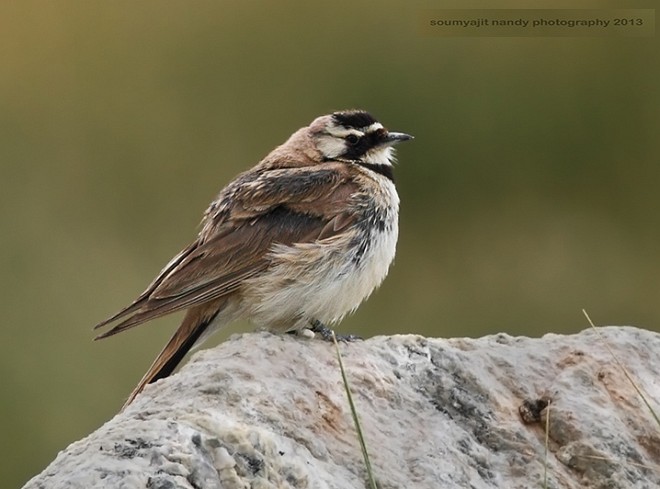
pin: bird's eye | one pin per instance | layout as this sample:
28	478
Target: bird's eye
352	139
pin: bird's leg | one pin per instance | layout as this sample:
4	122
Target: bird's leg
326	333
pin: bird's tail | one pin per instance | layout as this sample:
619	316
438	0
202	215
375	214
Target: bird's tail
194	325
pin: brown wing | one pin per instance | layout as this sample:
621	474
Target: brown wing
281	206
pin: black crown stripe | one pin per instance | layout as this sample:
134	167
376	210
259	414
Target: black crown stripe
355	119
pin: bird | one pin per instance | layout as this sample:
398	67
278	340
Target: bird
292	245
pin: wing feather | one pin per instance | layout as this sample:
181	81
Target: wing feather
282	206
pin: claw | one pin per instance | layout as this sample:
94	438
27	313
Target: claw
326	333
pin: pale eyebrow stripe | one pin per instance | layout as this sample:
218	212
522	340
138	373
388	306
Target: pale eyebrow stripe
335	131
373	127
343	132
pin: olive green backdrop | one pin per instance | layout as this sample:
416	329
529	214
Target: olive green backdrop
530	192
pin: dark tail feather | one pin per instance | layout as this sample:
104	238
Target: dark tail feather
193	326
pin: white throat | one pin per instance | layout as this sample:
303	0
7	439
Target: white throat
382	155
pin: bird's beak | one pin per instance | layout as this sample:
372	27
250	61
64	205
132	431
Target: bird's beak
396	137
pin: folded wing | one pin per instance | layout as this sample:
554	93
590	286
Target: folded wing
280	206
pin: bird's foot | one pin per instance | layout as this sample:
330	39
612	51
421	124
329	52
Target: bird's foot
326	333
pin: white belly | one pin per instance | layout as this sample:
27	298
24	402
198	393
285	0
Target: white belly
324	280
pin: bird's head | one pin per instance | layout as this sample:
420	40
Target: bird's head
354	136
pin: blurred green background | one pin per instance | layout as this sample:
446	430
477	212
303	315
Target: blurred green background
529	193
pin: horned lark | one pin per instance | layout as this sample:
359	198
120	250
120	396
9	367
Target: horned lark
295	243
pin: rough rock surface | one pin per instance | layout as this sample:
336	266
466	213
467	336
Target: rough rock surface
266	411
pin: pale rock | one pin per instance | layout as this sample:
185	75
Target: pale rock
266	411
